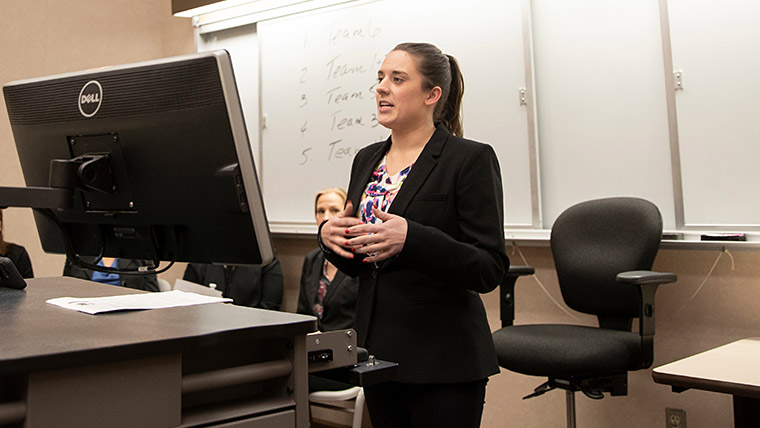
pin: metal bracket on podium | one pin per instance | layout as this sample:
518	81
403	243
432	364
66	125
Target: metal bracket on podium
365	373
331	349
334	355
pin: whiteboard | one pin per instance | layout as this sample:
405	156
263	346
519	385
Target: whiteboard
242	44
716	47
600	96
318	74
608	121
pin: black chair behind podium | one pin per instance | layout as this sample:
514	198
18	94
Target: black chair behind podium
603	252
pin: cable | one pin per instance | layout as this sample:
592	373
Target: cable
522	256
704	281
140	271
733	267
74	259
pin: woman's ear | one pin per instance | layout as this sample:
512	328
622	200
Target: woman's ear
433	96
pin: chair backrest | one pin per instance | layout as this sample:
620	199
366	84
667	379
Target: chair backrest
592	242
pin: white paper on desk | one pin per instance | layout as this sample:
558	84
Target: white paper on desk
192	287
164	299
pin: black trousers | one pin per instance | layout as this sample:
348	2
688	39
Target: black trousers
408	405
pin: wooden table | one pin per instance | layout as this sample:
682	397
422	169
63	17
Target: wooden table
211	365
731	369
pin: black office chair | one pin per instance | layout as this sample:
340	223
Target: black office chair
603	251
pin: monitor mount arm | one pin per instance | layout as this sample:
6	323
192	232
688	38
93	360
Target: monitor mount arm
89	172
86	172
65	176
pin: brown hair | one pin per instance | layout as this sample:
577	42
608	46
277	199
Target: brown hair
439	69
337	190
3	244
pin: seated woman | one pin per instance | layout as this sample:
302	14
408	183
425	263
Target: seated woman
255	286
138	282
327	293
16	253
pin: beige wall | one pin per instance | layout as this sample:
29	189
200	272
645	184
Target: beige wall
45	37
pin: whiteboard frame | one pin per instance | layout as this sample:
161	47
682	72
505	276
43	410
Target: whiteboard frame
530	99
670	97
257	11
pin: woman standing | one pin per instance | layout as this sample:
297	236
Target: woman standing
426	239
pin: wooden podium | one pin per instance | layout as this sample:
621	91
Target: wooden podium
207	365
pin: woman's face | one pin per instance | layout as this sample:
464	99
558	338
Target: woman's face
328	205
401	102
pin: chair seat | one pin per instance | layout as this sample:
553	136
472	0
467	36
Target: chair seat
559	350
336	407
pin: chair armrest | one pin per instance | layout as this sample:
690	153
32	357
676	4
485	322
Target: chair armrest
517	271
646	277
507	293
647	282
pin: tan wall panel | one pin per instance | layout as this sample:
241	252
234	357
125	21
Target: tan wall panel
44	37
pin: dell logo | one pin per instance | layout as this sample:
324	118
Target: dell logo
90	98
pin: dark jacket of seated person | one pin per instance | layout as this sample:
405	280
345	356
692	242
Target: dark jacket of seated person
338	306
20	258
335	311
256	286
16	253
138	282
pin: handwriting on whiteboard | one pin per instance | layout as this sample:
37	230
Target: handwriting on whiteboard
336	95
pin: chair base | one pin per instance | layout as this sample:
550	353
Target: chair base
593	388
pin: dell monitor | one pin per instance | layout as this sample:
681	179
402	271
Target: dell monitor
143	161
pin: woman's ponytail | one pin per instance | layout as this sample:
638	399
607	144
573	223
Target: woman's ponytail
452	105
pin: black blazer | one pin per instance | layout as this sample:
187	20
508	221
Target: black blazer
339	302
255	286
422	308
138	282
20	258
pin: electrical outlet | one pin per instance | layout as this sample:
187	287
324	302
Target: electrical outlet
675	418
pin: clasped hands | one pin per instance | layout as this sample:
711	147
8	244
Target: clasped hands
346	235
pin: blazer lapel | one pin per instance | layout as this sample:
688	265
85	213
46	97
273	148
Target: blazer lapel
422	168
364	173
